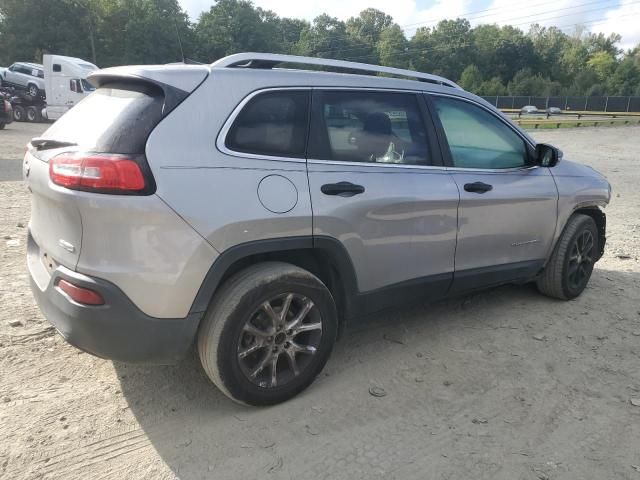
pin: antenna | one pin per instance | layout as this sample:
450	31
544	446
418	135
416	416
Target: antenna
175	24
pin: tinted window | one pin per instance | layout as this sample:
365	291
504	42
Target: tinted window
116	118
57	67
369	127
272	123
477	139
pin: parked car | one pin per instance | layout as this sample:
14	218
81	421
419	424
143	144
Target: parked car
305	199
29	76
529	109
6	112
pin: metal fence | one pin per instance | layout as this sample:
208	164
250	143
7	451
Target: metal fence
580	104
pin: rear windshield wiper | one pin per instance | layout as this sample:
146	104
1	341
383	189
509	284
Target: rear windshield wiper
47	143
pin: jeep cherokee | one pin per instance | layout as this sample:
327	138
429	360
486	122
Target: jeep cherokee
252	210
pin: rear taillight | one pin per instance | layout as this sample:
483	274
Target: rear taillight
82	295
105	173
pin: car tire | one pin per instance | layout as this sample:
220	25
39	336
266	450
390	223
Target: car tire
18	113
571	264
240	337
32	90
32	114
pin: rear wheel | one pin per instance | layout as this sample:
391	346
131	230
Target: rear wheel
32	90
570	267
18	113
32	114
268	333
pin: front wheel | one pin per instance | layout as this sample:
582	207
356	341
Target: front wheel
268	333
571	264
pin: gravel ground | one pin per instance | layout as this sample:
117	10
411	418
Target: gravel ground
505	384
13	140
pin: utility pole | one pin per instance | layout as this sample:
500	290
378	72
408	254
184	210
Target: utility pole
91	39
92	42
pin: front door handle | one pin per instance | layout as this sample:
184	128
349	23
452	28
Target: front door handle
478	187
342	189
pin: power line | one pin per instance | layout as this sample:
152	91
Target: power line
518	17
546	19
449	48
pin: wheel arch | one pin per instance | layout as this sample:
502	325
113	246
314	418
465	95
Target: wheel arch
600	219
325	257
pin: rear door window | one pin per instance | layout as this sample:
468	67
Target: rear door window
116	118
372	127
272	124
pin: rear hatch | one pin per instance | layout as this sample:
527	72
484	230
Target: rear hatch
113	121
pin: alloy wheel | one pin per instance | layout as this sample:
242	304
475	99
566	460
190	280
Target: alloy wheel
279	340
580	260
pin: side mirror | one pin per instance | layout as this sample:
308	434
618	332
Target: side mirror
547	155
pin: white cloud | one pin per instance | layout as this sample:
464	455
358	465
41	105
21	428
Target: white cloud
622	16
623	20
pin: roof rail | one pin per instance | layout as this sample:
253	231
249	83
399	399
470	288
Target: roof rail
271	60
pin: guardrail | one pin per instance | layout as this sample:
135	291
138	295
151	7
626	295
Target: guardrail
567	103
559	123
578	114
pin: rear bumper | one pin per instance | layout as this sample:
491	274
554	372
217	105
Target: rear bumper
117	330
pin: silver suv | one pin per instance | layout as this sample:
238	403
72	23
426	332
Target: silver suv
29	76
253	210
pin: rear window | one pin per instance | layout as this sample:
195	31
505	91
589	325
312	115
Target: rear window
273	123
116	118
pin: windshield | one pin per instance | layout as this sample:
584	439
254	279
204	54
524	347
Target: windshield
86	86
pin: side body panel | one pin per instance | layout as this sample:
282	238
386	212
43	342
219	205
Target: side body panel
402	227
143	247
514	222
579	186
218	192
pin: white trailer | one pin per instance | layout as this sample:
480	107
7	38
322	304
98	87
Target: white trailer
66	83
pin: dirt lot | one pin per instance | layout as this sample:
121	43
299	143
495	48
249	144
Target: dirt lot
505	384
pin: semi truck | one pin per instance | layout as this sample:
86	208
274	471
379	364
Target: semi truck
65	84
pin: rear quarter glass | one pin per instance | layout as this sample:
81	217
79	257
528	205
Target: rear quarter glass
116	118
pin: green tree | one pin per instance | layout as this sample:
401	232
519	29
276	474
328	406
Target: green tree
30	28
602	63
232	26
327	37
626	78
444	50
471	78
366	31
491	88
548	45
393	47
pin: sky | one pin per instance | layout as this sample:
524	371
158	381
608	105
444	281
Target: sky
606	16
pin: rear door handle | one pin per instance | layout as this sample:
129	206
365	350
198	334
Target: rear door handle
342	189
478	187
